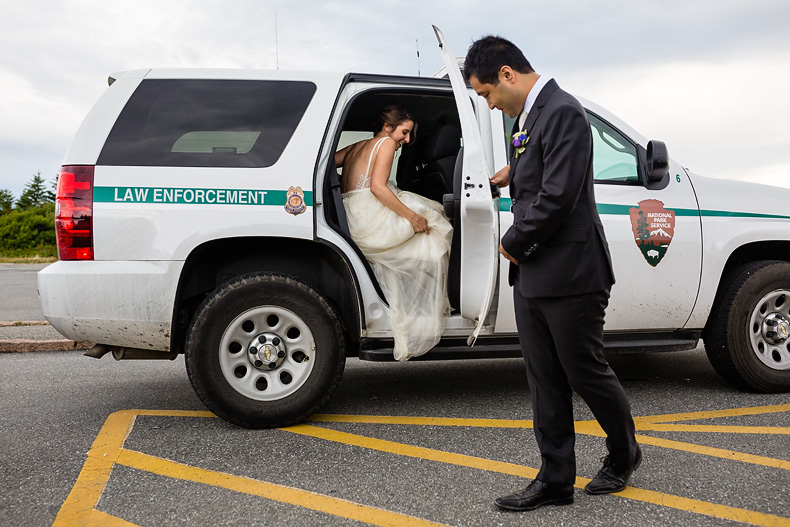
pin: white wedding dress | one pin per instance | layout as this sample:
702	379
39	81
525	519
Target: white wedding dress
411	268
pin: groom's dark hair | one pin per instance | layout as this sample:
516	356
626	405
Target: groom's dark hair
487	55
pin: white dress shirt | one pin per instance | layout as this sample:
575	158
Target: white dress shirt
532	96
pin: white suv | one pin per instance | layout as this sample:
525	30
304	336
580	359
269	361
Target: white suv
199	212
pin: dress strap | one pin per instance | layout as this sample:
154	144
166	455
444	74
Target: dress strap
370	160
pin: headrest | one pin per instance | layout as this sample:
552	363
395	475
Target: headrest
445	142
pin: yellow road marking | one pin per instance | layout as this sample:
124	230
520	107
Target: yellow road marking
79	507
705	508
711	414
99	519
427	421
766	430
713	452
271	491
107	450
413	451
594	429
648	496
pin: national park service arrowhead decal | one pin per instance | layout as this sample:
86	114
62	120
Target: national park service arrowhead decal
654	227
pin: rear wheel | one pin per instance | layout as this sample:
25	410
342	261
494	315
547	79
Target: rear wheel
748	335
265	350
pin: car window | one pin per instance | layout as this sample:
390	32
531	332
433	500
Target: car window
206	123
614	157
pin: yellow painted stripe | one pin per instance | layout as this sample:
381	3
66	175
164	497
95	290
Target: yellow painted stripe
174	413
654	423
426	421
594	429
591	428
582	427
79	505
766	430
647	496
710	414
705	508
96	518
413	451
713	452
281	493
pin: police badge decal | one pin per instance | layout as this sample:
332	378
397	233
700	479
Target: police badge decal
294	201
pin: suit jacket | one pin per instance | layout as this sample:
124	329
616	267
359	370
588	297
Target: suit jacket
551	184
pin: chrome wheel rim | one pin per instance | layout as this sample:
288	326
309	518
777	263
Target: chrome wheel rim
267	353
769	330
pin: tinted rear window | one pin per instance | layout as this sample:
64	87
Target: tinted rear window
207	123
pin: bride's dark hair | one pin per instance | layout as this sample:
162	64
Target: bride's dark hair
392	115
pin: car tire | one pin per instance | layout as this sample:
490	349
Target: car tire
746	337
265	350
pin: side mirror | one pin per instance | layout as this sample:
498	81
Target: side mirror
657	161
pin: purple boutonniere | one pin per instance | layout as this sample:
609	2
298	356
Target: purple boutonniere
519	142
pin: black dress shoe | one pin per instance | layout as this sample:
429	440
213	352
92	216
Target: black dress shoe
536	495
612	478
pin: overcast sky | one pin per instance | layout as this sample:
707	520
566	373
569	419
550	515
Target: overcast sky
711	78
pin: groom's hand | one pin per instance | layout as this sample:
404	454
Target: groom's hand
501	178
504	253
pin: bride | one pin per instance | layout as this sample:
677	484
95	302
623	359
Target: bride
403	235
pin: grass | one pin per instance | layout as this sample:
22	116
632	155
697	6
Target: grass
27	259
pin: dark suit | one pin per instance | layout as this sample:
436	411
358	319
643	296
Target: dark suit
561	290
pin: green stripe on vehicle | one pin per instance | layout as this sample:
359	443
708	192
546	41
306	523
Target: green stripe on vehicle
607	208
622	210
194	196
729	214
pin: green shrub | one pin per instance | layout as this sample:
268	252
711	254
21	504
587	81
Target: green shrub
29	232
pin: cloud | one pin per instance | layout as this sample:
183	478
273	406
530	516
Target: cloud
722	119
706	76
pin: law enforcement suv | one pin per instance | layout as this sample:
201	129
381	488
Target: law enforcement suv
199	212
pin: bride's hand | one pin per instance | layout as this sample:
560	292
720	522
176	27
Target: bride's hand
419	224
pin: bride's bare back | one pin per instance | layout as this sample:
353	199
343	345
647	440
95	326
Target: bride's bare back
357	165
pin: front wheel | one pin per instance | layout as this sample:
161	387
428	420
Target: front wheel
748	335
265	350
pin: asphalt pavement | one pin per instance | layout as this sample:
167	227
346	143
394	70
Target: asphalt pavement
19	285
23	327
100	442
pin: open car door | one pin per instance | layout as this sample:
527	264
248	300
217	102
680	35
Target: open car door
479	219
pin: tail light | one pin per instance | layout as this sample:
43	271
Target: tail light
74	213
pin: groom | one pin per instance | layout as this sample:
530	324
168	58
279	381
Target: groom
560	270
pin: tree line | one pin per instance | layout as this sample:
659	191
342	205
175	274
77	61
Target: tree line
27	224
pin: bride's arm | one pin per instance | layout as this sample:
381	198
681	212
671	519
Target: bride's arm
340	156
378	186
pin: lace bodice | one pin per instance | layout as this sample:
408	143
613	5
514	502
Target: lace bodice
364	180
363	183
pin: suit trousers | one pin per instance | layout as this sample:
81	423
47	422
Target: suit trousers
562	344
